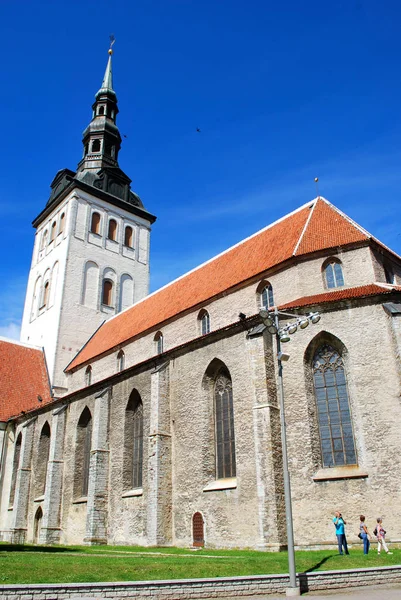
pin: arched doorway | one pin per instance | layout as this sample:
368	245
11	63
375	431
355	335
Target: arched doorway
198	535
37	525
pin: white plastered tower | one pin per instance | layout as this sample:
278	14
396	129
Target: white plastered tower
91	251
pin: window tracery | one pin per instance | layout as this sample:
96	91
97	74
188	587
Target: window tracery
224	426
333	410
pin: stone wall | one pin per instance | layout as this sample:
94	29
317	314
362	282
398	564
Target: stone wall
206	589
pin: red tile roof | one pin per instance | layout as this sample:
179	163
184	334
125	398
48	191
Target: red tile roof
23	376
313	227
363	291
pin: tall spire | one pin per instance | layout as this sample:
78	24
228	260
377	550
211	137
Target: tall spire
107	84
101	139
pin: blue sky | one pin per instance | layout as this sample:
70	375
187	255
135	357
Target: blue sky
282	92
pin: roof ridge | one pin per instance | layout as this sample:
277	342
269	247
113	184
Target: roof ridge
305	226
347	218
19	343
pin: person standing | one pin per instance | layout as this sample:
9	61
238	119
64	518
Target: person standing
364	534
380	534
340	532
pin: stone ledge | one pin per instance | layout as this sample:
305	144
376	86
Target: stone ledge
335	473
194	589
221	484
132	493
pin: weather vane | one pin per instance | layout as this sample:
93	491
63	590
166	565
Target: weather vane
112	40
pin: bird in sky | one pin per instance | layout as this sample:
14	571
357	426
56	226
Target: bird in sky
198	130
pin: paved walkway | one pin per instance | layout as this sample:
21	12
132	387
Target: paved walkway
374	592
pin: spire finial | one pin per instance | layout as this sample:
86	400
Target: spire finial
112	41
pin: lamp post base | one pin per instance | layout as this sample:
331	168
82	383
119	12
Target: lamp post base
293	591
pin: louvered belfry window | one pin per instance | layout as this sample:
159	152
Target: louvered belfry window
333	410
224	423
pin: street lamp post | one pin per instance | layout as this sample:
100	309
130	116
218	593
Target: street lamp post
271	320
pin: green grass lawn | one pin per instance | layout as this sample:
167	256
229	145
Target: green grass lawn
69	564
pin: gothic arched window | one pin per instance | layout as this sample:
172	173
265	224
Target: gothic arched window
112	233
133	442
266	296
120	361
204	322
333	410
88	375
17	453
158	340
334	274
82	453
224	426
95	223
42	460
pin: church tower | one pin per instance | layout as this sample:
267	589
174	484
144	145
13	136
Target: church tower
91	252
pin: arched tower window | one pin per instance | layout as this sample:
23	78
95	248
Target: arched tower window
224	426
129	237
204	322
42	459
96	146
88	375
120	361
158	341
45	294
44	238
333	274
133	442
95	223
112	232
333	410
101	110
53	232
62	223
82	453
107	292
17	453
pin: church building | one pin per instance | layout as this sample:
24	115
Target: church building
153	419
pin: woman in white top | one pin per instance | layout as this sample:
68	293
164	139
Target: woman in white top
380	533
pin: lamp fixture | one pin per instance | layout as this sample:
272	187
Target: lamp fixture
303	322
283	335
